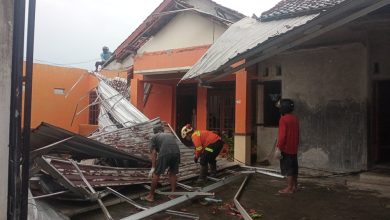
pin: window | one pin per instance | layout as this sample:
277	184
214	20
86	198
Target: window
266	72
59	91
272	93
377	68
93	109
278	70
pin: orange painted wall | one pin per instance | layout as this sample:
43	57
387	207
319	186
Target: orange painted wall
59	109
137	91
160	103
55	108
201	108
87	129
169	59
243	103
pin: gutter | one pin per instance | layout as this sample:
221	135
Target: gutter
163	71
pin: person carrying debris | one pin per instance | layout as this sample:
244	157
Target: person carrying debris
105	55
288	140
207	147
165	154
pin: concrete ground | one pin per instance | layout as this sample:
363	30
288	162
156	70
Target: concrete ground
317	199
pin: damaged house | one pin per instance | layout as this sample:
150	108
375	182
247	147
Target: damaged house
162	49
331	58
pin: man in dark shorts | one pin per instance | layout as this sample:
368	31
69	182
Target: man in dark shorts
288	140
165	155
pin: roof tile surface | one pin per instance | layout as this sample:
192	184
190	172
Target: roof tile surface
292	8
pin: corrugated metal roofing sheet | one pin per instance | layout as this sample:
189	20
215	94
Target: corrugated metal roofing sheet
118	106
102	176
125	143
78	146
241	37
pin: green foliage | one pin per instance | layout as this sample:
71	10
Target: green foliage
229	141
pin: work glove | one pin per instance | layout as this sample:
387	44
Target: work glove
196	159
151	173
278	154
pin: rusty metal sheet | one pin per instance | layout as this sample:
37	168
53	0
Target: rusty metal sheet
135	140
132	141
102	176
76	145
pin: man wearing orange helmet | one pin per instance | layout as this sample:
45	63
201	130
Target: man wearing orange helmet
207	147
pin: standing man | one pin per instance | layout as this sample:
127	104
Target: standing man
288	140
104	56
165	154
207	147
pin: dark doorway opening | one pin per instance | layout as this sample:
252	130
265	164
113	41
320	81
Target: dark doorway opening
185	106
221	109
382	122
272	93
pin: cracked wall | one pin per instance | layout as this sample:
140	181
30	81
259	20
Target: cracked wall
329	86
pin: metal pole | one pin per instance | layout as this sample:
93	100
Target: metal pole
241	209
13	212
27	109
196	193
260	168
101	204
179	200
174	133
49	195
187	187
47	148
138	206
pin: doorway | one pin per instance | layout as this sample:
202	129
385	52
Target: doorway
382	122
185	106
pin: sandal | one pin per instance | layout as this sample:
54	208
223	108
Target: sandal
285	192
146	198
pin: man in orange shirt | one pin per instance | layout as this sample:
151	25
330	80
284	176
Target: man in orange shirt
207	147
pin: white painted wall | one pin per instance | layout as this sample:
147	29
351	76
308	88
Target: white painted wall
187	29
122	65
6	26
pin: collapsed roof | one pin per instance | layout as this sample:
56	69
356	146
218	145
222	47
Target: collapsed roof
132	142
48	139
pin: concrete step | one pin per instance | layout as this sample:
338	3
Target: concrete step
381	190
379	177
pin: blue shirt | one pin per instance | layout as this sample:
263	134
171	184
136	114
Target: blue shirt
105	56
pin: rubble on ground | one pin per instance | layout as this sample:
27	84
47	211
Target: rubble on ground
68	166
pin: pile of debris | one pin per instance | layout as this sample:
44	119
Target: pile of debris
68	166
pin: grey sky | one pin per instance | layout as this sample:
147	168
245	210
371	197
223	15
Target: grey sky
72	32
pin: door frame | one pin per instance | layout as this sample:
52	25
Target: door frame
374	136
